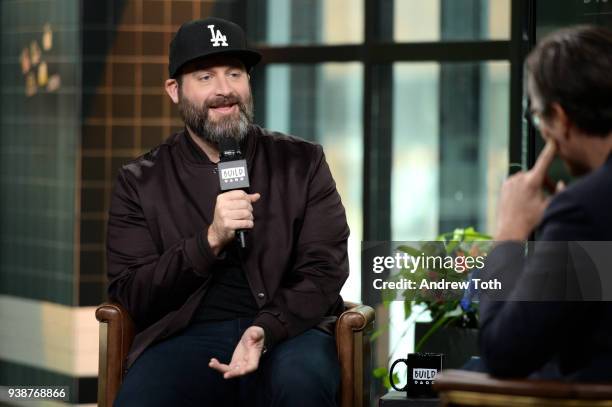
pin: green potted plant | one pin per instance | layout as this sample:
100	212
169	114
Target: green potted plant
454	316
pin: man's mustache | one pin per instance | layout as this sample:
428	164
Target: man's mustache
223	101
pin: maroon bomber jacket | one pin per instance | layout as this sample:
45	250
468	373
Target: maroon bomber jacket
296	260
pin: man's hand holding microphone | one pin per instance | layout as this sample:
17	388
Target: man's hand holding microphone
233	211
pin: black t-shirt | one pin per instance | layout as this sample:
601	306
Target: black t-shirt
229	295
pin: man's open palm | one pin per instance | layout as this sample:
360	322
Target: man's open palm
246	355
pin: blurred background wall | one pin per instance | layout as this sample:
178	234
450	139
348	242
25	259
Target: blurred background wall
81	94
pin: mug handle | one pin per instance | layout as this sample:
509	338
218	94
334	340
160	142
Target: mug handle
391	374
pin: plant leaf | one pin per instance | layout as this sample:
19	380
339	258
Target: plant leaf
380	372
387	382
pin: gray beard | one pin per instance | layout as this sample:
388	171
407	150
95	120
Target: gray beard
198	121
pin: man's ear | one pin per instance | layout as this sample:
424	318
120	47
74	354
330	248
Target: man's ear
561	120
172	90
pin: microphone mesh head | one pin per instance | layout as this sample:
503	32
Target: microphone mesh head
229	148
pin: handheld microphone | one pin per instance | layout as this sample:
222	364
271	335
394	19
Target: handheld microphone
233	173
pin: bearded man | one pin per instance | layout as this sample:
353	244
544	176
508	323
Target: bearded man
217	323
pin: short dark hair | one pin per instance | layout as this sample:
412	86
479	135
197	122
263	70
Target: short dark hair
573	67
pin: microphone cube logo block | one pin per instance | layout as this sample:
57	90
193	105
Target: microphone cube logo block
229	174
233	175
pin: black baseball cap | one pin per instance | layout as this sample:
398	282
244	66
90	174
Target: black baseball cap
208	37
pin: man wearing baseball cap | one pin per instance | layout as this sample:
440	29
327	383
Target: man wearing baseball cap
221	322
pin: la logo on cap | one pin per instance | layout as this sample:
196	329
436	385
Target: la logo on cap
217	39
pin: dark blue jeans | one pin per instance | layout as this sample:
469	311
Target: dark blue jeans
301	371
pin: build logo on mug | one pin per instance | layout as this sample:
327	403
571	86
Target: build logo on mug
420	375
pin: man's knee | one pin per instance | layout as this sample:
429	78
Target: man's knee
304	372
175	372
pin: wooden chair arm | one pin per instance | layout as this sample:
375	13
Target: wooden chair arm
465	381
356	317
353	346
116	336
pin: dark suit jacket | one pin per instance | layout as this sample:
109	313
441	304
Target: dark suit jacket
553	339
159	261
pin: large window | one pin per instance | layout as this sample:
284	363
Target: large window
410	100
